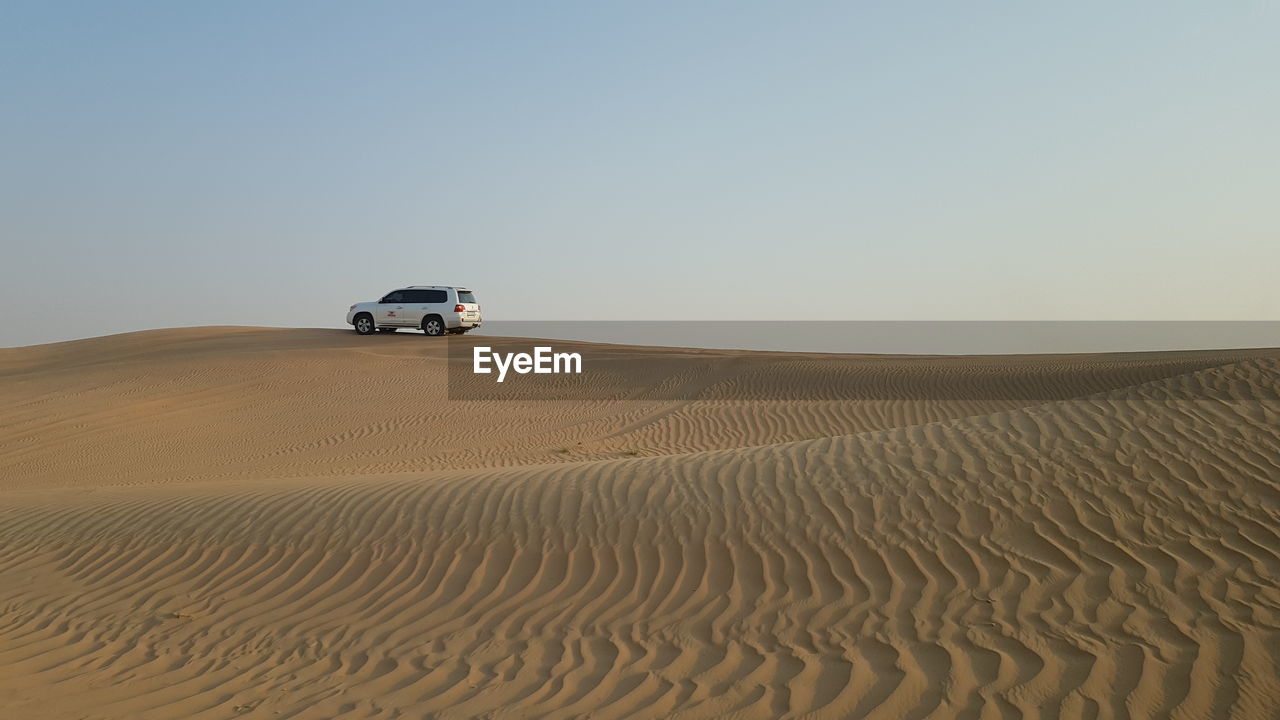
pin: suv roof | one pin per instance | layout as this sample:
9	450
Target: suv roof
434	287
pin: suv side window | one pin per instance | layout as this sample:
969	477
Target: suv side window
393	297
426	296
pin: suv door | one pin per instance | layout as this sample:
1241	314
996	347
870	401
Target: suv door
413	307
391	309
420	303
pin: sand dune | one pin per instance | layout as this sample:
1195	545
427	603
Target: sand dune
241	522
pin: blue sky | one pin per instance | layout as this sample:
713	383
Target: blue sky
271	163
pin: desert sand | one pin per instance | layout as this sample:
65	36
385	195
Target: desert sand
270	523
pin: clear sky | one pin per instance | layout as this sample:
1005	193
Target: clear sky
270	163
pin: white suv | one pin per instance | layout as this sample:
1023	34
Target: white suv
433	309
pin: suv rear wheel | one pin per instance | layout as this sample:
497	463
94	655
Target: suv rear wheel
364	324
433	325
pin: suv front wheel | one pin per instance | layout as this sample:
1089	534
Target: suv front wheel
364	324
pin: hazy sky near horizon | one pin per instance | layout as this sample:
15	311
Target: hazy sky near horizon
257	163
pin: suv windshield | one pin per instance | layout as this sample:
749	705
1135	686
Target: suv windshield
465	296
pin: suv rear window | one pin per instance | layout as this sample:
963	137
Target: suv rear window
466	296
426	296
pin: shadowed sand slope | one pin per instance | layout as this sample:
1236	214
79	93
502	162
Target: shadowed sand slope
216	523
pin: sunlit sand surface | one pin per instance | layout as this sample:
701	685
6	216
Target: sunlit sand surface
261	523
